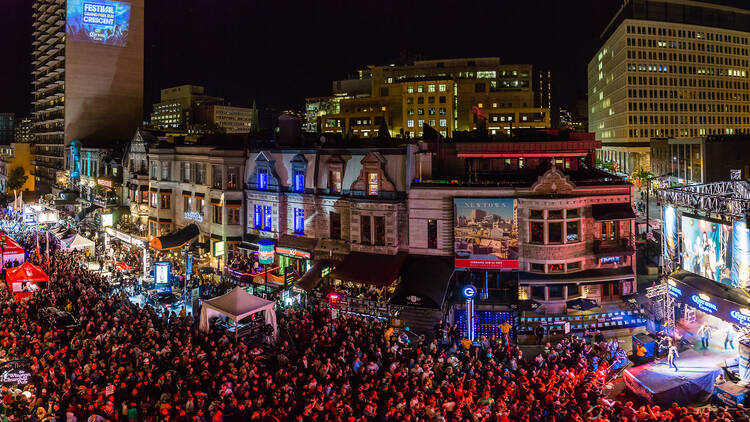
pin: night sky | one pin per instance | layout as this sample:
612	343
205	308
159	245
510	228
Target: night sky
281	51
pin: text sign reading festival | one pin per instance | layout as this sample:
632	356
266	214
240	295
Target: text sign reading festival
99	21
485	233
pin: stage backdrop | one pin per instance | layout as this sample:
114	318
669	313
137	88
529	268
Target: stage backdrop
707	249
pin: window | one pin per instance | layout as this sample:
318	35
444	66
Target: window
217	176
420	100
166	202
186	203
365	229
334	181
536	230
443	122
164	170
299	221
554	233
299	180
571	231
572	213
537	268
200	174
431	88
372	184
574	266
200	205
384	91
432	234
441	87
335	225
144	196
186	172
410	89
216	214
536	214
410	123
380	230
154	199
262	179
258	217
554	214
556	268
233	215
572	290
441	100
537	292
610	231
232	177
420	88
479	87
556	291
267	218
152	229
154	166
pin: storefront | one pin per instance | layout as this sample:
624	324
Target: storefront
294	256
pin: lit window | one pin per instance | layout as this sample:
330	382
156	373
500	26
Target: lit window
262	179
258	218
299	221
410	89
420	88
441	87
443	122
267	218
410	123
299	181
431	88
372	184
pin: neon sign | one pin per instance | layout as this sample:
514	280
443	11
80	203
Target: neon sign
674	291
609	260
193	215
702	302
740	316
469	291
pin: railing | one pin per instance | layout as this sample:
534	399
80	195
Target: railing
619	245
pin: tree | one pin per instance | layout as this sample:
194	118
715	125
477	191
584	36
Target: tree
642	177
17	178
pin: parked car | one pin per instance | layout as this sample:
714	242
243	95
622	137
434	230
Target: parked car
164	300
57	319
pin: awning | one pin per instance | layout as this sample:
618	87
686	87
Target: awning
424	281
312	277
594	275
215	201
187	193
81	215
378	270
294	242
233	202
250	243
177	239
199	194
724	302
619	211
61	202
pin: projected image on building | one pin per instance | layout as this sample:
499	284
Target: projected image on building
485	233
99	21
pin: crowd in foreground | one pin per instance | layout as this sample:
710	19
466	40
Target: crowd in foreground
161	368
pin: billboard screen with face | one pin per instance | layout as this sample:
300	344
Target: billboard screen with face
707	249
99	21
485	233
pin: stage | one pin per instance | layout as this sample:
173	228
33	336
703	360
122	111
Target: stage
694	382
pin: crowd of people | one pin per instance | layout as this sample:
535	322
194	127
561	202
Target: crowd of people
130	363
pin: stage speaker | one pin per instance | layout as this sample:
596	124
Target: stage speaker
649	343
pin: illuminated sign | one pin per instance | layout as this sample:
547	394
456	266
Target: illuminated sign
609	260
104	182
292	252
106	220
193	215
703	303
18	376
741	316
469	291
99	21
219	248
265	252
485	233
675	291
161	273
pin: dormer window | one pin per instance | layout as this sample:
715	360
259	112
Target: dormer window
372	184
262	179
299	181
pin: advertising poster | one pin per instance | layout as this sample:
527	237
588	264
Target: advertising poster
161	274
485	233
99	21
670	233
740	255
707	249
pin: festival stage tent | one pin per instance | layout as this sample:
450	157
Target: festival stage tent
26	278
77	243
237	305
12	252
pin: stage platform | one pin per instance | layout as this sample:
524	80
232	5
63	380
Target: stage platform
694	382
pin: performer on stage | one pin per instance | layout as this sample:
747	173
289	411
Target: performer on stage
729	337
705	334
672	355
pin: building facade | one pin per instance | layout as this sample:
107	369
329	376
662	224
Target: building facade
701	160
23	130
229	119
668	69
445	94
12	156
85	86
7	127
176	110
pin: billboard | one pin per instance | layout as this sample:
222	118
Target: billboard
99	21
707	249
671	233
485	233
161	274
740	254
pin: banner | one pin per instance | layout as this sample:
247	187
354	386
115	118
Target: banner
670	233
740	255
485	233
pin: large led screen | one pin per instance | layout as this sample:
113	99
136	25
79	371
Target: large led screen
740	254
671	233
707	249
485	233
99	21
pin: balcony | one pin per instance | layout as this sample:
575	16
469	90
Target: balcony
612	247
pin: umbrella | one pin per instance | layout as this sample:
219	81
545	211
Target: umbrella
582	304
528	305
123	266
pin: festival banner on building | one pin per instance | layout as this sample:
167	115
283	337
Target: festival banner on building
485	233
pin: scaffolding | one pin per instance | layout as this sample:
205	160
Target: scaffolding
729	199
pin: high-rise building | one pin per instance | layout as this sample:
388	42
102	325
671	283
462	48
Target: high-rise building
178	104
447	94
87	77
23	130
229	119
668	69
7	124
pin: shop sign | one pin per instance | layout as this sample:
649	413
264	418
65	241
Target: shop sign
193	215
219	248
742	316
17	376
609	260
413	299
265	252
104	182
469	291
161	273
294	253
106	220
703	302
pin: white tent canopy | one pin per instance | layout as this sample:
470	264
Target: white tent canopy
77	243
237	305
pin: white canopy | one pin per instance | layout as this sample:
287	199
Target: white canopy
237	305
77	242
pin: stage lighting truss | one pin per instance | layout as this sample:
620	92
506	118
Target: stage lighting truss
730	199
